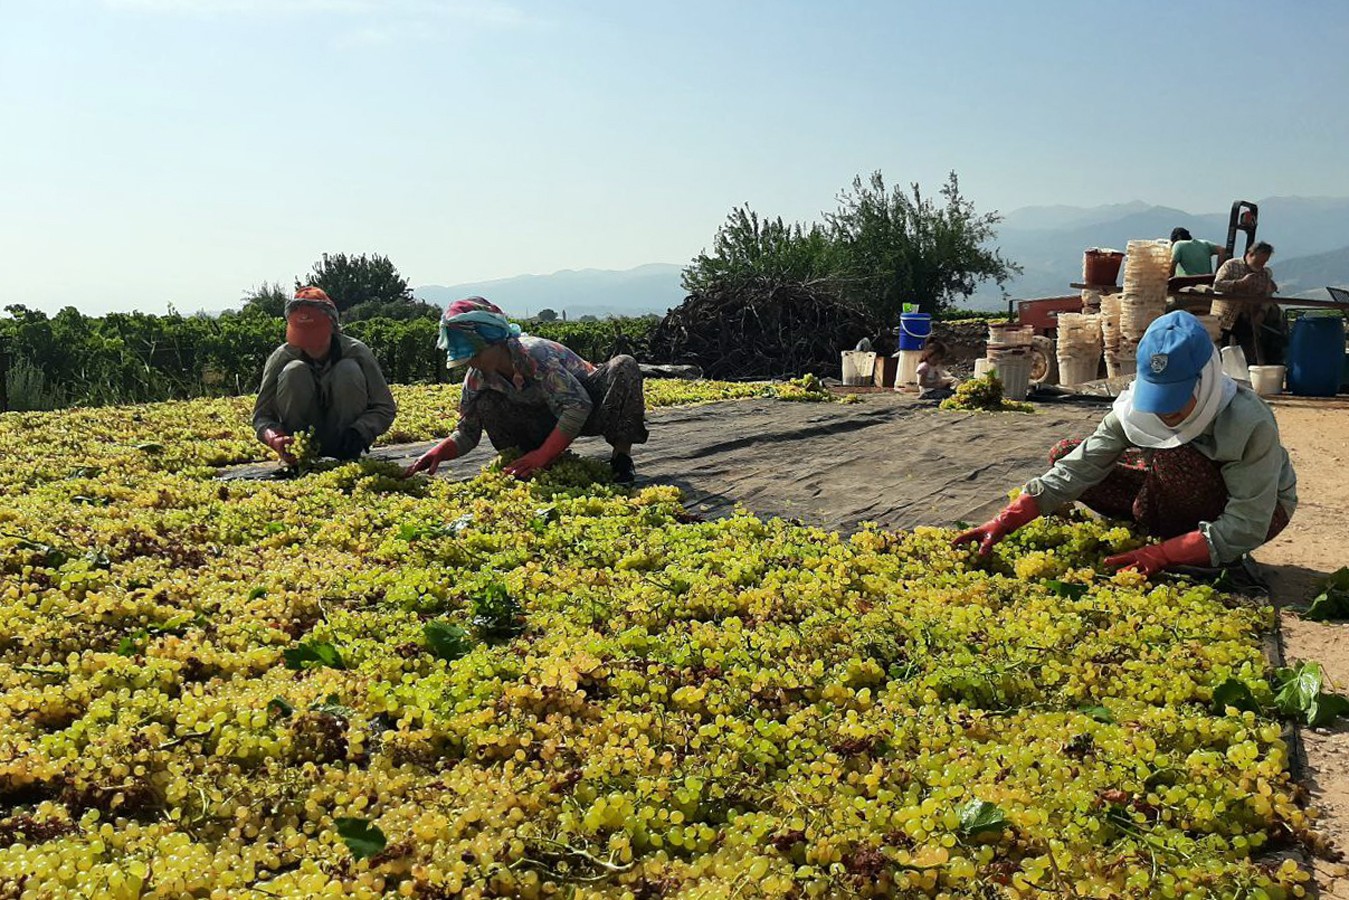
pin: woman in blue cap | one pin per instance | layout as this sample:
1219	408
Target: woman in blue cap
533	395
1186	452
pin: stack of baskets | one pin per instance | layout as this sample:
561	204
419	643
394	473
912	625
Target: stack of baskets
1079	347
1110	336
1147	267
1009	353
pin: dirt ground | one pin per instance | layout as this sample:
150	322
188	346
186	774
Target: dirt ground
899	463
1316	542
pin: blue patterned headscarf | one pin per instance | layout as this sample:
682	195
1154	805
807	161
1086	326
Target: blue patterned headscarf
470	325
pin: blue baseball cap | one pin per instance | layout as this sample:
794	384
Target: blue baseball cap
1171	356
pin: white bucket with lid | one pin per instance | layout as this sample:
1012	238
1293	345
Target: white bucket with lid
1267	380
858	367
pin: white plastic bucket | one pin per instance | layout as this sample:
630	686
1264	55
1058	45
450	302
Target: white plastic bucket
1013	368
858	367
1267	380
907	376
982	367
1078	369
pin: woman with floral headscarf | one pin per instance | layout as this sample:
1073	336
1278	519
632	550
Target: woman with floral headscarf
321	379
533	395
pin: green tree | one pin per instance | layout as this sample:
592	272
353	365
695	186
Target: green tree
880	249
746	246
547	315
899	247
353	280
265	300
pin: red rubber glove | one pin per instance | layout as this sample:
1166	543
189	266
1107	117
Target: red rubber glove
541	458
429	461
280	443
1017	513
1189	549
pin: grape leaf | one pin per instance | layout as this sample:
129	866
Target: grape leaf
446	640
362	838
313	655
1332	599
1099	713
279	707
1236	694
1064	589
332	706
979	817
1300	696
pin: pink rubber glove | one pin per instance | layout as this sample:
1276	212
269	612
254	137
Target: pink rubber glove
1017	513
1189	549
429	461
541	458
280	443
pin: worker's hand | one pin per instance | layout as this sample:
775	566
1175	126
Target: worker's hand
429	461
280	443
1020	511
542	458
1189	549
528	464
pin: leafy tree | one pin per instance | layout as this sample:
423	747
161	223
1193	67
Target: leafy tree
547	315
746	246
398	310
881	248
900	247
265	300
353	280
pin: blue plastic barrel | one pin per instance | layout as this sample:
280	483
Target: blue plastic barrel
914	329
1316	356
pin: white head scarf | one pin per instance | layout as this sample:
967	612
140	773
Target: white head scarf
1214	391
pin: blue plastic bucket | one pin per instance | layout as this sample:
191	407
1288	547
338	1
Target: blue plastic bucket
914	330
1316	356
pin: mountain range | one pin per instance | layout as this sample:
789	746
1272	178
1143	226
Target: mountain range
1310	236
652	288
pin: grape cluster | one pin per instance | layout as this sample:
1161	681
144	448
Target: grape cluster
983	394
304	447
562	687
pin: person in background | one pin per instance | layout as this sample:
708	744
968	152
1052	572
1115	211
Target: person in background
533	395
321	379
934	383
1249	324
1193	257
1187	453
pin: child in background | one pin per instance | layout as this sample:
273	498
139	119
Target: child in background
934	383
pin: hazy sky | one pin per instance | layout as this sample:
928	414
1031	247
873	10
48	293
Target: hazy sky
185	150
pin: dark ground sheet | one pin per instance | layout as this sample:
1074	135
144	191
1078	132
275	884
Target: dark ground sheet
887	459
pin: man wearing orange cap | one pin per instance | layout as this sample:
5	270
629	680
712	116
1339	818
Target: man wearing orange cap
321	379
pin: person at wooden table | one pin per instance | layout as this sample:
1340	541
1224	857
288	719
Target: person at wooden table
1257	327
533	395
1188	454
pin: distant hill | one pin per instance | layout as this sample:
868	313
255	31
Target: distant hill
1308	275
652	288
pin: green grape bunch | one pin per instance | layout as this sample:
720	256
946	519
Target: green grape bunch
983	394
304	447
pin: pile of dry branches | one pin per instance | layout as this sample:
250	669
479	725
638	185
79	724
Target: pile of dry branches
760	329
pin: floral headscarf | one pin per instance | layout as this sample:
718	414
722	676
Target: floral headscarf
468	326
